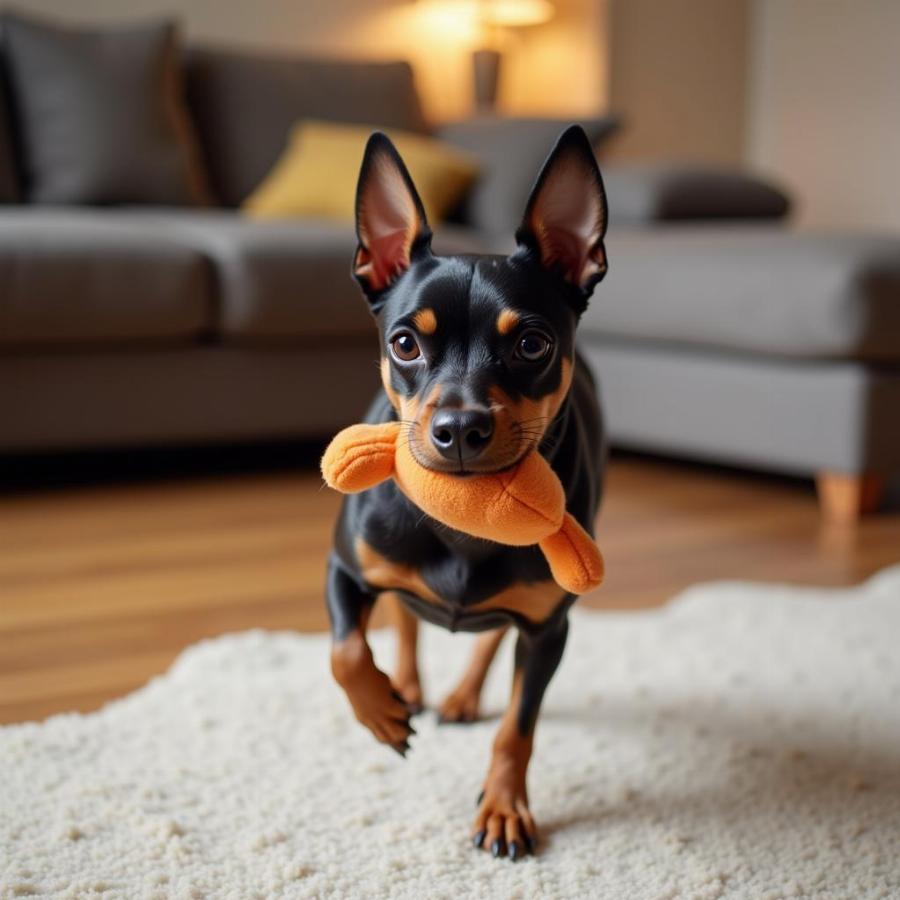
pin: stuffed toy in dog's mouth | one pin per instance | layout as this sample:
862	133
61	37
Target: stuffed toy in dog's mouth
520	506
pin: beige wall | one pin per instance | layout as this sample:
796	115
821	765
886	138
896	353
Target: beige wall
558	67
807	91
561	68
678	74
825	107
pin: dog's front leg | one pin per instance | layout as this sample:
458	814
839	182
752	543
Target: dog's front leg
375	702
504	822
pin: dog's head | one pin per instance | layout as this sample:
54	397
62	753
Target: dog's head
478	351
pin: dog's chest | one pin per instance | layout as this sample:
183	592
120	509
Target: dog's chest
456	591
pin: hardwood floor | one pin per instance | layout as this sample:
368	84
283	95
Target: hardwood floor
102	584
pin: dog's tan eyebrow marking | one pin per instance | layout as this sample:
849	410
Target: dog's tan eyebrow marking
507	320
425	321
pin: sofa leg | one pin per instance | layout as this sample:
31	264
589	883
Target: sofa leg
844	498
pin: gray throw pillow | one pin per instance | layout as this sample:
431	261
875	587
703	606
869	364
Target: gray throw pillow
639	194
100	114
511	152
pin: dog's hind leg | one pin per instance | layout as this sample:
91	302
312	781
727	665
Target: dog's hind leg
406	669
462	704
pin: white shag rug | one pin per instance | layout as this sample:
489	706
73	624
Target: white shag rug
742	743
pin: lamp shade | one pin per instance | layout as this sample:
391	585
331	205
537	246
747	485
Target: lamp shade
516	13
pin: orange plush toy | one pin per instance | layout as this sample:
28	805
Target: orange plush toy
520	506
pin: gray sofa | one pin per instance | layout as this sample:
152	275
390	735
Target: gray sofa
758	347
719	333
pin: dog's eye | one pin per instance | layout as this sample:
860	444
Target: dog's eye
404	347
533	346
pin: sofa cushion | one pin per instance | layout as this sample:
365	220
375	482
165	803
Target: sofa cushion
511	152
658	193
245	106
284	281
83	277
754	289
101	115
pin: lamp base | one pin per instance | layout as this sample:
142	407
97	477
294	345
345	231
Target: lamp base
486	66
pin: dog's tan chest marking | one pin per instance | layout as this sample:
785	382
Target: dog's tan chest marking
534	601
382	572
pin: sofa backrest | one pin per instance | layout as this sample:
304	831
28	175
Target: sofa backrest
244	105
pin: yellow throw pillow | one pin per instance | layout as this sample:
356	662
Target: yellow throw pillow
317	173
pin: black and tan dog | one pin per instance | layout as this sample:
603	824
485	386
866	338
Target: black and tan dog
479	364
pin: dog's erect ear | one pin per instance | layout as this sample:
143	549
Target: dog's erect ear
565	219
390	221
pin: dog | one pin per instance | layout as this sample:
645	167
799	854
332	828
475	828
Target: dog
478	363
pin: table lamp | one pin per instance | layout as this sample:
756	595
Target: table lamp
494	17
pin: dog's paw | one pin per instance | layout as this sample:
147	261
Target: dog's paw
460	707
375	702
384	712
504	825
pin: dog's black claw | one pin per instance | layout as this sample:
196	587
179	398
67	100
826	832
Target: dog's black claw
530	843
497	848
478	799
513	850
478	840
411	729
401	749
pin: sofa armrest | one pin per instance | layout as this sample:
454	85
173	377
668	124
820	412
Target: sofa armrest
669	192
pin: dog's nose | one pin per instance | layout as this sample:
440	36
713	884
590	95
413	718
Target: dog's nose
461	434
